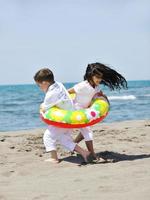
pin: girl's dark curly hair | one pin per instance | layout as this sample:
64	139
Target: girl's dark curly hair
110	77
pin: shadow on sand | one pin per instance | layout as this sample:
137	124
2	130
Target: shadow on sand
117	157
108	156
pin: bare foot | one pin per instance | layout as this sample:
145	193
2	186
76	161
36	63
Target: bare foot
95	157
100	159
52	160
88	157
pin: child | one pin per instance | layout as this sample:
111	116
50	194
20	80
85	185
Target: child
96	74
56	94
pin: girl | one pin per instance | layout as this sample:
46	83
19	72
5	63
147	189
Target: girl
96	74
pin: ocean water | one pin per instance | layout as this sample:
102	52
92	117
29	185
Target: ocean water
19	105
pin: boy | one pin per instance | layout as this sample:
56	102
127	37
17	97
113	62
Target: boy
56	94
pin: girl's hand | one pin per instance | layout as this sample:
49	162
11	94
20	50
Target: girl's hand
71	91
101	94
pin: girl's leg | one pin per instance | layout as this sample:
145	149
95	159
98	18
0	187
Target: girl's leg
88	136
79	138
85	133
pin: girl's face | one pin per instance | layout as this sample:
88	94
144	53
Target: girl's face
96	80
43	85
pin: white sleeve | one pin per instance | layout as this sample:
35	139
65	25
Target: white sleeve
51	99
79	87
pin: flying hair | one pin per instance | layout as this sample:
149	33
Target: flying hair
110	77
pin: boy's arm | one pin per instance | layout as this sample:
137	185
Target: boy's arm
50	100
71	90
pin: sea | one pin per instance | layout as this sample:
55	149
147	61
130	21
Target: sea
19	104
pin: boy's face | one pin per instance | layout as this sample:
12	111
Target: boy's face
44	85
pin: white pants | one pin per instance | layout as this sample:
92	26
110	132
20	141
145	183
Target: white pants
86	133
62	135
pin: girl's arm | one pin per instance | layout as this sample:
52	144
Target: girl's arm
103	95
71	90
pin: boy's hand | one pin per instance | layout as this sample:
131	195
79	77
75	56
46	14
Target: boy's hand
42	110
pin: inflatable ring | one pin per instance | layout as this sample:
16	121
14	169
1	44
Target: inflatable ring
77	118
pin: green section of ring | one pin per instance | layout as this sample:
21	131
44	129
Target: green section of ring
77	116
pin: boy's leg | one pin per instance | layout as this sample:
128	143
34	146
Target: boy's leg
85	154
67	141
49	139
89	145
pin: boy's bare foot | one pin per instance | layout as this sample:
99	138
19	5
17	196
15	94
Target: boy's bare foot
52	160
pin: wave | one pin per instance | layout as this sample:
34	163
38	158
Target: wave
147	95
125	97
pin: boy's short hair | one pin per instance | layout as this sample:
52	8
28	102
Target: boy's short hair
44	74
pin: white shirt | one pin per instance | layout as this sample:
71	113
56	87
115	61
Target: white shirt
57	95
84	94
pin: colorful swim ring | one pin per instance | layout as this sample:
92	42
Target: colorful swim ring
77	118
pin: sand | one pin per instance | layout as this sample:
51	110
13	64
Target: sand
25	176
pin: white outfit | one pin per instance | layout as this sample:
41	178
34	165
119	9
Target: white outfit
54	134
84	94
57	95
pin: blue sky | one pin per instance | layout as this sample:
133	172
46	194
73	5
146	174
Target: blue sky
66	35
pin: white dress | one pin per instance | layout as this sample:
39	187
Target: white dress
84	94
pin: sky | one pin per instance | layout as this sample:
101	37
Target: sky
66	35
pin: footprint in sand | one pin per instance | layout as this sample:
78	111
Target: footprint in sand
8	174
77	180
2	140
40	197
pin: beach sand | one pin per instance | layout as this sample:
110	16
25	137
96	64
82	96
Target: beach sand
25	176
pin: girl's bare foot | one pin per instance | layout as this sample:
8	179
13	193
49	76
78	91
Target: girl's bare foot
95	157
98	158
88	157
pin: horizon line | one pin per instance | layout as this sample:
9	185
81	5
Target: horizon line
60	81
